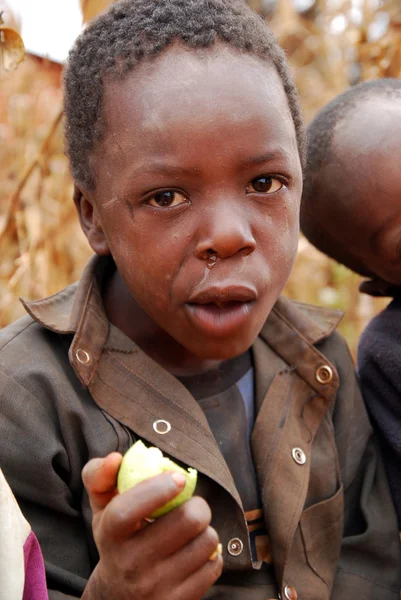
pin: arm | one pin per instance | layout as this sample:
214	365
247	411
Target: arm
379	362
169	559
37	467
370	556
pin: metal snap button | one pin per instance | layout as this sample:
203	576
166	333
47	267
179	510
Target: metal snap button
235	547
324	374
299	456
82	356
161	426
290	593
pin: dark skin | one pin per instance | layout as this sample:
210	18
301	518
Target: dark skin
361	191
181	190
198	185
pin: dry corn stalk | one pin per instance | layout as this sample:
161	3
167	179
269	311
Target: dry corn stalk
91	8
379	48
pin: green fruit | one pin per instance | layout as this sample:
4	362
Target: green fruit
140	463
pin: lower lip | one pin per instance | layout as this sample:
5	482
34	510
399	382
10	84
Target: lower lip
218	321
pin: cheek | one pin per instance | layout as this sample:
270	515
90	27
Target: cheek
280	234
147	260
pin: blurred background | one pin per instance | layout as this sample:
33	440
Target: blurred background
331	45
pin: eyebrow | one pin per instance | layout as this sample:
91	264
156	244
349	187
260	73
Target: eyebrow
267	157
164	169
167	169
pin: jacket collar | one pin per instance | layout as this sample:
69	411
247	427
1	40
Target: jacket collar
66	312
63	311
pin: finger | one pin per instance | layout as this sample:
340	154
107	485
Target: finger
193	556
126	511
99	476
196	586
170	533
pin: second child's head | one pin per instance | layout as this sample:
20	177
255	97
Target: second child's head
185	141
351	204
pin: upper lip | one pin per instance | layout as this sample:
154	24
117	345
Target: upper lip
222	294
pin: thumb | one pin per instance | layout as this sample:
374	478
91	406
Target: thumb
99	476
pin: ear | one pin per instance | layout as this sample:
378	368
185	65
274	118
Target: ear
90	222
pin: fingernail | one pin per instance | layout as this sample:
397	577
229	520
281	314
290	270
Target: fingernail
179	479
218	551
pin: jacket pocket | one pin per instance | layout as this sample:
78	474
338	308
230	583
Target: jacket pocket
322	531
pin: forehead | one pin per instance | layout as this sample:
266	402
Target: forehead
362	185
370	133
194	89
367	151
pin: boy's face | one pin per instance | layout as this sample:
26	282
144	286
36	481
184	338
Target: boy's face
367	179
198	185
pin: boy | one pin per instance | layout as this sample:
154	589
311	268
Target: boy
351	211
185	140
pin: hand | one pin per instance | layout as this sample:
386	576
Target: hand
168	559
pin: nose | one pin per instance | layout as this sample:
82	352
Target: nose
226	231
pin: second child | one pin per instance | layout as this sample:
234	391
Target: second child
351	210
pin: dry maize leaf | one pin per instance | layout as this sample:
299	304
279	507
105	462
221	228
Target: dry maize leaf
394	62
91	8
12	50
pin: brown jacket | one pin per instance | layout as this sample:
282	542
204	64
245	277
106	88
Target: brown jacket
74	387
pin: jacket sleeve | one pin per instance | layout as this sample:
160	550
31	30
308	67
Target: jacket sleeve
35	462
370	558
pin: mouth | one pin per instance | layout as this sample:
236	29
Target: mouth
220	311
221	296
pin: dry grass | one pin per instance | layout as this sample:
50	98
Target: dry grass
41	245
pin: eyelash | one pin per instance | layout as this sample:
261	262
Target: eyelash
273	178
167	191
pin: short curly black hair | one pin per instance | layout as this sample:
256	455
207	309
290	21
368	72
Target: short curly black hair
317	190
132	31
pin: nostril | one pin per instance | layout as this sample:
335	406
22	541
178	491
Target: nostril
209	254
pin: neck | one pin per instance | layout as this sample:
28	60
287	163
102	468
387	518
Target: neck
129	317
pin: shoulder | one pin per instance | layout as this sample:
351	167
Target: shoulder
380	342
16	334
387	321
33	361
379	357
293	327
42	337
27	341
305	338
312	322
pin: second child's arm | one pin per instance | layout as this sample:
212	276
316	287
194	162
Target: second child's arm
169	558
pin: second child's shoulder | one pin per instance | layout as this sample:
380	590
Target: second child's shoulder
380	342
387	322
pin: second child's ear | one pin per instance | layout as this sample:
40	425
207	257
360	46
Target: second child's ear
90	222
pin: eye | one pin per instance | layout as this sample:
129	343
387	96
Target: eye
167	199
264	185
